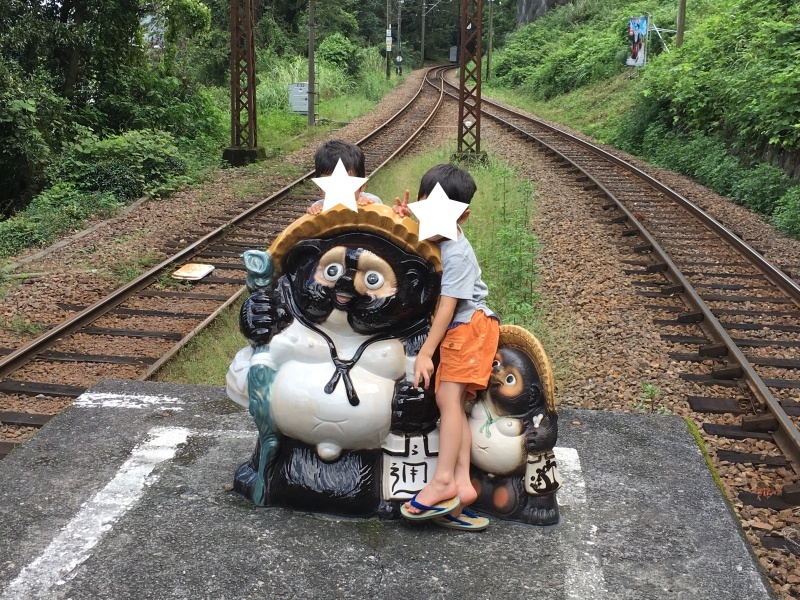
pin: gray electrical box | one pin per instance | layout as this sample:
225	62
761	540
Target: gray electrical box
298	97
453	54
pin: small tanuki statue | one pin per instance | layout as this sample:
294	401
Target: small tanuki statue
514	426
338	308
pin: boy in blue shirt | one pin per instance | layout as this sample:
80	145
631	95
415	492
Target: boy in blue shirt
466	333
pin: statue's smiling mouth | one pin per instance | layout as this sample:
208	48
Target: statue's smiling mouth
343	299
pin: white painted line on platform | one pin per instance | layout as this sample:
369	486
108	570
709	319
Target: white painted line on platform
583	574
110	400
573	487
73	546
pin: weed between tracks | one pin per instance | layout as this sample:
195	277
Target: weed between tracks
647	402
21	325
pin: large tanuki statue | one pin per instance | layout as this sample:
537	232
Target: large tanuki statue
339	306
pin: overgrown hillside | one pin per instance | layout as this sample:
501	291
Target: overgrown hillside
103	102
723	108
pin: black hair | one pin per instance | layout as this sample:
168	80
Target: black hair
457	183
328	155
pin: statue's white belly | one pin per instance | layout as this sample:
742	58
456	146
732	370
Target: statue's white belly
498	447
302	410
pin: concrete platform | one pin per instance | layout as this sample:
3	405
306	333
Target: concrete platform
124	496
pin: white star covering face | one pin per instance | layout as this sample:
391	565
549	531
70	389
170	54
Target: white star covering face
339	188
437	215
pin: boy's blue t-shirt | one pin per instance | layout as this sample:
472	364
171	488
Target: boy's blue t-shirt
461	279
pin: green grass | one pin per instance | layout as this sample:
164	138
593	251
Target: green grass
21	325
277	129
9	281
594	109
497	228
128	270
344	109
205	360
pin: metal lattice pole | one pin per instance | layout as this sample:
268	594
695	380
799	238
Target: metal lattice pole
469	98
244	130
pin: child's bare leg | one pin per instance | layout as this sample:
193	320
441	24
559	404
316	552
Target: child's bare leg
466	491
442	485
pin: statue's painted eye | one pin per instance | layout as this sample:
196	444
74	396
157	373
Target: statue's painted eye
510	379
373	280
333	271
495	364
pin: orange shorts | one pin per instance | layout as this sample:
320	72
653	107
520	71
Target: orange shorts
467	352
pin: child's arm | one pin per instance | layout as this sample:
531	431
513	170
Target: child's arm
423	365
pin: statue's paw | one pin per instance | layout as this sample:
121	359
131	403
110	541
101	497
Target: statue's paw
413	409
262	317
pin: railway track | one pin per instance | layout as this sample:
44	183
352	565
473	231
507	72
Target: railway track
133	331
731	316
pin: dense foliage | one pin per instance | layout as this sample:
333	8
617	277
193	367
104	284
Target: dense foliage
574	45
73	72
102	101
727	99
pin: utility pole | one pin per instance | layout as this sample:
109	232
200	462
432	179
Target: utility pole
681	23
489	52
469	97
388	36
399	7
422	38
244	146
311	75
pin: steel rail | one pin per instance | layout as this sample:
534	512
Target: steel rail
788	436
770	271
27	352
439	71
401	149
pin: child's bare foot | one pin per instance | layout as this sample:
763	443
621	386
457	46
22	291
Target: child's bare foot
467	494
432	494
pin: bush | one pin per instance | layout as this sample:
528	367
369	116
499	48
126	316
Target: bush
128	166
273	90
16	234
373	83
787	213
708	160
737	73
571	46
28	118
64	206
61	208
761	188
340	52
151	100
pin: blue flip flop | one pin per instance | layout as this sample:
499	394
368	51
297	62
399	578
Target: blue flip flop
445	507
466	521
